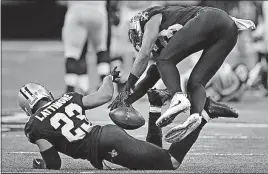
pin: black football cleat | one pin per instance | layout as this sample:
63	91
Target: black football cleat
216	109
157	97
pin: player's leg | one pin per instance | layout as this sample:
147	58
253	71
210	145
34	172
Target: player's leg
209	63
120	148
189	39
74	36
99	36
180	147
194	36
156	99
83	78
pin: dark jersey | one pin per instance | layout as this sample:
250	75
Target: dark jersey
172	19
63	123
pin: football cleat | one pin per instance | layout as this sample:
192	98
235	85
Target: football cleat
178	133
216	109
178	104
157	97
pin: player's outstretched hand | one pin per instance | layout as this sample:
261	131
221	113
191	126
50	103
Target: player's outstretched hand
39	163
120	100
115	75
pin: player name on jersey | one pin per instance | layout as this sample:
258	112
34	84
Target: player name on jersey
53	107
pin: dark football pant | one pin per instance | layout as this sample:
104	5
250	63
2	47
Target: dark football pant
212	31
120	148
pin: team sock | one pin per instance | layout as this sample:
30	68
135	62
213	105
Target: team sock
179	149
154	134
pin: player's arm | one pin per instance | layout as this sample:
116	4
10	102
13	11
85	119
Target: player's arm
102	96
151	31
152	76
49	154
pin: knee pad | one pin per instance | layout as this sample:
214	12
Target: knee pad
74	66
81	67
103	63
71	66
103	57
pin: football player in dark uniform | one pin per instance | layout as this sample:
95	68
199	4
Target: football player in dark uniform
60	125
168	34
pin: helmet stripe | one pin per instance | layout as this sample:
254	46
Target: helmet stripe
28	91
25	96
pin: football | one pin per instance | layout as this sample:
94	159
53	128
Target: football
127	118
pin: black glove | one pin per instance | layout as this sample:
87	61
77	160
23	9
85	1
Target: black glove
115	75
120	100
39	163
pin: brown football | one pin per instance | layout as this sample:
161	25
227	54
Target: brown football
127	118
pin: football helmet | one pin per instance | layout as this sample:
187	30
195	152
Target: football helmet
135	33
30	94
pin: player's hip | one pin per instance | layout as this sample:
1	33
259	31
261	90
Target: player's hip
86	15
213	22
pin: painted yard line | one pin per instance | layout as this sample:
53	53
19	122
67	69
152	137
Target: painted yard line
50	172
227	154
231	137
212	125
22	118
235	137
190	153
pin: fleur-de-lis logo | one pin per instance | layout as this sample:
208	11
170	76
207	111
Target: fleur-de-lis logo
144	16
113	153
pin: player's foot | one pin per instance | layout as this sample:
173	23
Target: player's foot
157	97
178	133
216	109
178	104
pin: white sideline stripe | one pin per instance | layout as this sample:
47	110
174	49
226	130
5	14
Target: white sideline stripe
49	172
227	154
190	153
231	137
20	117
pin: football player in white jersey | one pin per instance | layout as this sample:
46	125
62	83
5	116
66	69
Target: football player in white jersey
85	23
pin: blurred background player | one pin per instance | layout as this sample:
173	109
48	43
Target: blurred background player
265	17
85	23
